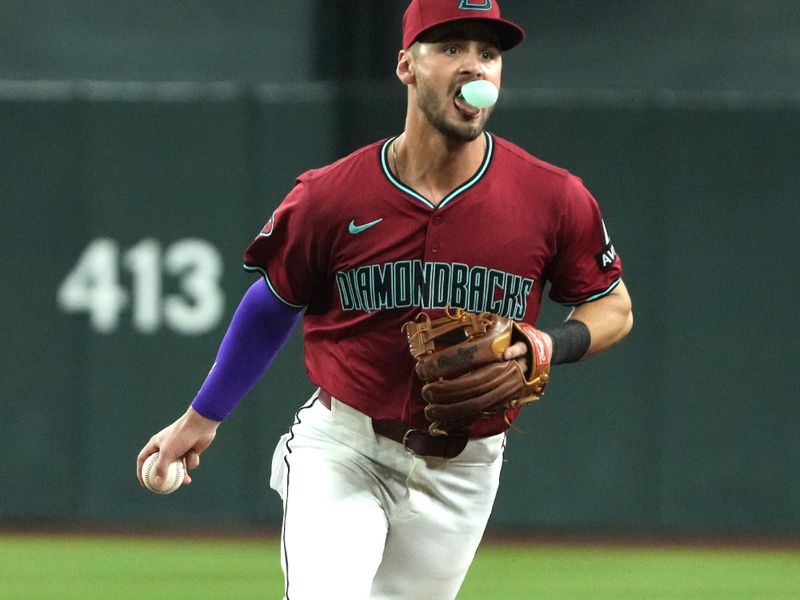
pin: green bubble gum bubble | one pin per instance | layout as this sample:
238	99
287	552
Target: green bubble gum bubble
480	93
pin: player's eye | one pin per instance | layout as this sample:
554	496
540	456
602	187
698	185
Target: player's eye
451	50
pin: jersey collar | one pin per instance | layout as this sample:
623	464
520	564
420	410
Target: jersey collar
487	158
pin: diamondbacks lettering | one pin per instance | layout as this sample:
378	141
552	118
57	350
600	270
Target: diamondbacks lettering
427	285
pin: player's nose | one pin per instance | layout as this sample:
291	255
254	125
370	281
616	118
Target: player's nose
471	65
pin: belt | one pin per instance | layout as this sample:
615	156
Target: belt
416	441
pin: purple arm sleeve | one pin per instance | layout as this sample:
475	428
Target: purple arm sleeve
260	326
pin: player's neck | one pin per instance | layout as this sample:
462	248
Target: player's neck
433	164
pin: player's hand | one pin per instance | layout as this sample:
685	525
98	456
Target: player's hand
186	438
519	349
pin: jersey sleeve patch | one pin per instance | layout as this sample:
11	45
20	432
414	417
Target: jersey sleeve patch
608	255
587	265
267	230
289	258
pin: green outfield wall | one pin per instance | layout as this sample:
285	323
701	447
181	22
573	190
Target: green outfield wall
143	147
126	209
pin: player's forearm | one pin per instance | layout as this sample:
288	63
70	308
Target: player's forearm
608	319
260	326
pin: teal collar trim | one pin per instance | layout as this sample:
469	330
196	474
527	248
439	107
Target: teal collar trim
487	159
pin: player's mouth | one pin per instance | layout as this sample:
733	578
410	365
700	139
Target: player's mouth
467	110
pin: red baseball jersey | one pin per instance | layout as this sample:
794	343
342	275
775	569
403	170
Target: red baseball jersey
363	253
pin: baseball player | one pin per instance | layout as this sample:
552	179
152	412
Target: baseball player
443	216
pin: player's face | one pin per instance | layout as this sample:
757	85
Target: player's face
456	55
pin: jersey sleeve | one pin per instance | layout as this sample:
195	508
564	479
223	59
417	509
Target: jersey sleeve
586	265
284	251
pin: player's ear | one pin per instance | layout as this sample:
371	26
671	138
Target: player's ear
405	67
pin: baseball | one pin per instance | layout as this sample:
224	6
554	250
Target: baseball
480	93
173	480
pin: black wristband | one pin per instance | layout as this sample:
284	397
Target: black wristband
570	342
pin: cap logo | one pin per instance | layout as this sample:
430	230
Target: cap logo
474	5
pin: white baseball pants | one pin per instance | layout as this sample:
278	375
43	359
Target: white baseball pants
366	520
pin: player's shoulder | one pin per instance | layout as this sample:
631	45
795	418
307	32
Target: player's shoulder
520	158
347	166
532	173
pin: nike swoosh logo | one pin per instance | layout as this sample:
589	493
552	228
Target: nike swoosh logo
354	229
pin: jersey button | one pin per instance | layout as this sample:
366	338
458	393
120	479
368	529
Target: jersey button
437	220
435	248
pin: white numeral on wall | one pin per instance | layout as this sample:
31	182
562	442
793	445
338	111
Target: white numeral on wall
93	286
198	268
144	263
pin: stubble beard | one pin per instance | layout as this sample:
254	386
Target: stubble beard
429	104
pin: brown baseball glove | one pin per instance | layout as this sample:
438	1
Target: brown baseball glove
460	359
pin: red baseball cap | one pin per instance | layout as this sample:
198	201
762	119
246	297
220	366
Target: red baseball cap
423	15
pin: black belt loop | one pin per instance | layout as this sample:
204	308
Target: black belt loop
324	398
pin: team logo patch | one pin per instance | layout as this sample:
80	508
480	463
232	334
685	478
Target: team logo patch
473	5
268	228
608	255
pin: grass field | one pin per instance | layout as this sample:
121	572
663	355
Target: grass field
117	568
